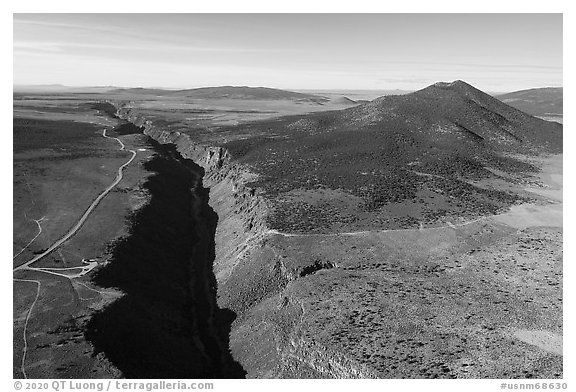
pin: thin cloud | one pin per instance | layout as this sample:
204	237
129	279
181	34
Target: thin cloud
355	51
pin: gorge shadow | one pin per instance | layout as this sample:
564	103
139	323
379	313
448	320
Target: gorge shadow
167	324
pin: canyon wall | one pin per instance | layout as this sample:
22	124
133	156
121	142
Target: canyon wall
241	210
253	279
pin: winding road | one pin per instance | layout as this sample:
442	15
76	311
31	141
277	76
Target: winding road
88	211
83	270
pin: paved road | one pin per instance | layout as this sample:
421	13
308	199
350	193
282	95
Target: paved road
87	213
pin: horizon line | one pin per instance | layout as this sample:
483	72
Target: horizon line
245	85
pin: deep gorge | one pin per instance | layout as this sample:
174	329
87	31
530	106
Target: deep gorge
168	323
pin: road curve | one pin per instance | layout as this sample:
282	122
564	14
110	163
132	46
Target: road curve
88	211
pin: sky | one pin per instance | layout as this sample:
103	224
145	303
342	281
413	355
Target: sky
494	52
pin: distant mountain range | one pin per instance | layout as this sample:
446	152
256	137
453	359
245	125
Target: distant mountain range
59	88
537	101
227	92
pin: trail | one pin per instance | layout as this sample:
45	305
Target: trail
25	349
38	221
365	232
84	270
26	216
89	288
88	265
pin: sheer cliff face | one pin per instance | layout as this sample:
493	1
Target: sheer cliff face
210	158
168	314
241	215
